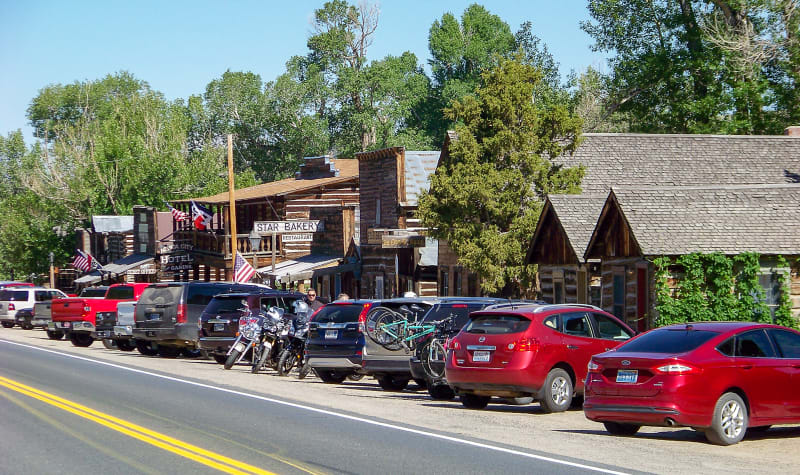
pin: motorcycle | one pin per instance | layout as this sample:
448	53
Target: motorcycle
268	349
253	327
293	353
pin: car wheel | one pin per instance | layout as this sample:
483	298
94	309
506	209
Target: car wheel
109	344
125	345
168	351
441	392
220	358
330	377
8	324
147	348
191	352
55	334
618	428
473	401
27	326
729	422
81	340
557	391
389	383
355	376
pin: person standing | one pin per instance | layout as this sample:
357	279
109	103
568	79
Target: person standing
311	300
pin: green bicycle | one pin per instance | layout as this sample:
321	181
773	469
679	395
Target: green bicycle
395	330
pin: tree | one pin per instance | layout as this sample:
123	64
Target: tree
589	100
486	194
701	66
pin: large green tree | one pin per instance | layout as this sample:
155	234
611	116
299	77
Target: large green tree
486	195
701	66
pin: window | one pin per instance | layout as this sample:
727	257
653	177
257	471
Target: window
378	286
497	324
610	329
378	212
771	283
42	296
457	282
726	348
788	343
338	314
444	284
558	289
576	324
551	322
619	295
124	292
668	341
472	284
754	344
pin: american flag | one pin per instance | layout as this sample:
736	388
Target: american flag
82	261
177	214
242	271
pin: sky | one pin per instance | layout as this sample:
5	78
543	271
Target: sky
179	46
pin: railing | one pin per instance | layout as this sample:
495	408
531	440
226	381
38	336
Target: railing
220	244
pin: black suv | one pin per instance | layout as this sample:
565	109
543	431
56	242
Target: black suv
336	339
219	322
168	314
390	365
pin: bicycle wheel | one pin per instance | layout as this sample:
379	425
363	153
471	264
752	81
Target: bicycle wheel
387	329
433	359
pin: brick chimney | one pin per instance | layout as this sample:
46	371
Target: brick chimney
792	131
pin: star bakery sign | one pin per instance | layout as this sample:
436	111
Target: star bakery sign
284	227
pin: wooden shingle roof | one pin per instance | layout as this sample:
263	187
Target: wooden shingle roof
576	215
729	219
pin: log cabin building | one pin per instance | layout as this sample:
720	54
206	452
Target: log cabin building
624	286
324	189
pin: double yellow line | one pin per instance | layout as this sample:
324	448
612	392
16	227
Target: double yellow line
165	442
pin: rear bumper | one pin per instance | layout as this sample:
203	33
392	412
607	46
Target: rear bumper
498	390
336	363
8	318
83	327
216	344
123	331
180	335
386	365
40	322
646	412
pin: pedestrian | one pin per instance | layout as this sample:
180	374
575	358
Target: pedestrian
343	296
311	300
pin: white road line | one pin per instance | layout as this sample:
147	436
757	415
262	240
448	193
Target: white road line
330	413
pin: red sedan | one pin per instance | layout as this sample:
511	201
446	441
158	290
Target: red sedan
723	378
534	351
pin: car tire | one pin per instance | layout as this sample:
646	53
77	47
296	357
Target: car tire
165	351
473	401
109	344
330	377
147	348
231	359
125	345
191	352
729	420
220	359
55	334
355	376
27	326
81	340
8	324
388	383
441	392
557	391
619	428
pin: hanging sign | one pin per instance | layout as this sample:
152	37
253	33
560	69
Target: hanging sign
284	227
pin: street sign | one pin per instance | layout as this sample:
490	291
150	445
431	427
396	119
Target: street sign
284	227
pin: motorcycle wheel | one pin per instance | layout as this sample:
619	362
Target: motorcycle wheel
259	362
221	359
304	370
286	362
231	359
109	344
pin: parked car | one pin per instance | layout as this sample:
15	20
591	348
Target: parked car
219	321
116	328
78	317
10	283
538	351
459	311
722	378
15	298
24	317
167	315
335	342
42	311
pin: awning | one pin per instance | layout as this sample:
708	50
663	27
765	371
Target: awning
118	267
301	268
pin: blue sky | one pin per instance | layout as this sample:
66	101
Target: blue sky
178	47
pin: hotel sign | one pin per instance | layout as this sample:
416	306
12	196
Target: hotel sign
285	227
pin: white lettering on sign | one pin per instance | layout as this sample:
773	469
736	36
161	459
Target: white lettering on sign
297	237
283	227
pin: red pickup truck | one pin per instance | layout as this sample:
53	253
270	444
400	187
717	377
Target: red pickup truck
77	317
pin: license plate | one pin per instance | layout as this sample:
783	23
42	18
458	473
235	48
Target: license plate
239	347
482	356
627	376
154	316
150	333
331	334
219	327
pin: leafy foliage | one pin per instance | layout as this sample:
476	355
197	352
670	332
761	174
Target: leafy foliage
485	197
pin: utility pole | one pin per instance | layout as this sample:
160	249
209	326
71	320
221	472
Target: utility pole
52	273
232	202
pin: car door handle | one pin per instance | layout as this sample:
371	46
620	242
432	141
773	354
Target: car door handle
572	347
747	367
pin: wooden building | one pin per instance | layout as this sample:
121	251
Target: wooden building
635	160
396	257
324	190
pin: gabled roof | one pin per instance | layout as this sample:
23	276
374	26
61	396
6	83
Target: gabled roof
574	216
347	171
730	219
677	160
420	165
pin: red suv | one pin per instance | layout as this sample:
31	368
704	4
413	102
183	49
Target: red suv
538	351
723	378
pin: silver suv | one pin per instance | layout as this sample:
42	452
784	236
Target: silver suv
14	299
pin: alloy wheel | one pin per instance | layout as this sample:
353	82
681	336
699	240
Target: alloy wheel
732	419
559	390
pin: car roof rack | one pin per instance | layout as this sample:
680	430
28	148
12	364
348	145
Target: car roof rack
541	306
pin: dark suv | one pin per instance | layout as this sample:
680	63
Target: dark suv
168	313
219	322
335	339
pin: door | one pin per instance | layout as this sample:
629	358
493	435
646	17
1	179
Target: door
579	344
641	299
760	374
788	345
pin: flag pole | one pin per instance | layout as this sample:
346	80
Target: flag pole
232	201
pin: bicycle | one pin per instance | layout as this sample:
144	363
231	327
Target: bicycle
394	330
432	353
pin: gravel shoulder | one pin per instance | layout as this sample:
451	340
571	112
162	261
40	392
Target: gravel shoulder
569	435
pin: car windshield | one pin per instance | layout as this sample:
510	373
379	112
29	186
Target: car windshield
338	314
226	305
497	324
460	311
161	295
93	292
13	295
668	341
123	292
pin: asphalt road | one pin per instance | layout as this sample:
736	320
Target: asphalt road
67	413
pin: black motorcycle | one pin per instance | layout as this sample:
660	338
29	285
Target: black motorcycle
254	331
293	353
267	350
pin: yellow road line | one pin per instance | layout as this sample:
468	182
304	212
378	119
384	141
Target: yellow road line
157	439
